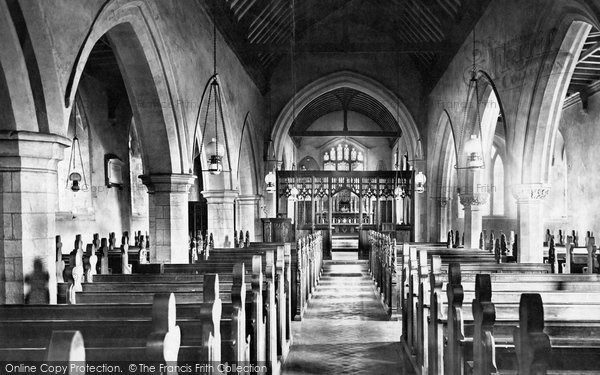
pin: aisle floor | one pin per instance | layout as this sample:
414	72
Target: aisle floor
345	329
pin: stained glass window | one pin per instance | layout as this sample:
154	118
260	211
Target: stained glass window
343	157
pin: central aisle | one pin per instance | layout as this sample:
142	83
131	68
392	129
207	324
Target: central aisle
345	329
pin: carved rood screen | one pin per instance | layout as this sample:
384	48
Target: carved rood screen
320	184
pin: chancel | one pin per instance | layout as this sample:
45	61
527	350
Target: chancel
300	186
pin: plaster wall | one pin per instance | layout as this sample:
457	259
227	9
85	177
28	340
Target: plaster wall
377	149
101	209
582	135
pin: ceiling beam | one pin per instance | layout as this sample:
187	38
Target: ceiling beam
589	52
226	23
471	11
349	47
341	133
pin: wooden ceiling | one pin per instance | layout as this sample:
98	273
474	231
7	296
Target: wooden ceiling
587	70
430	31
343	100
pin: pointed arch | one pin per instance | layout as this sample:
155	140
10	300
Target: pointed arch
149	79
17	105
355	81
544	106
247	167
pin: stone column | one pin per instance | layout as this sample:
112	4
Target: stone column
29	191
473	218
530	198
220	215
444	217
248	214
168	216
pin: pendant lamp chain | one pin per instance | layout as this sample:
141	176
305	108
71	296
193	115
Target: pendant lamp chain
216	87
294	190
73	176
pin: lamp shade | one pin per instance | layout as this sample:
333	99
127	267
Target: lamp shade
270	182
215	153
75	177
215	148
473	152
420	181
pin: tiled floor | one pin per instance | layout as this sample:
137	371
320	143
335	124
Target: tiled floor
345	330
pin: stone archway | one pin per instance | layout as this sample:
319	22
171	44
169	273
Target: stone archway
130	26
28	164
547	103
444	176
540	113
145	67
355	81
249	184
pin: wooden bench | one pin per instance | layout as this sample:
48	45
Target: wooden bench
223	304
61	346
262	322
462	318
571	257
417	285
306	264
411	273
555	340
112	333
281	282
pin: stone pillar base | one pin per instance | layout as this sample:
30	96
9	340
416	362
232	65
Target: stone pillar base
29	201
473	218
220	215
248	216
168	216
530	222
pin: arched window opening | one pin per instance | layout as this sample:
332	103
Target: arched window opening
343	157
497	188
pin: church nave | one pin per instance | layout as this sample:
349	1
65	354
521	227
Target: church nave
345	329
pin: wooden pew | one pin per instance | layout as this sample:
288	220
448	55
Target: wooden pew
581	259
61	346
211	313
412	274
112	334
442	312
462	319
306	264
418	287
262	322
383	269
282	288
559	340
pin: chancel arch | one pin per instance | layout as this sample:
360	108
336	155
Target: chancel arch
354	81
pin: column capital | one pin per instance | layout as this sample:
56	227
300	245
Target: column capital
474	199
248	199
21	150
220	196
530	192
168	182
